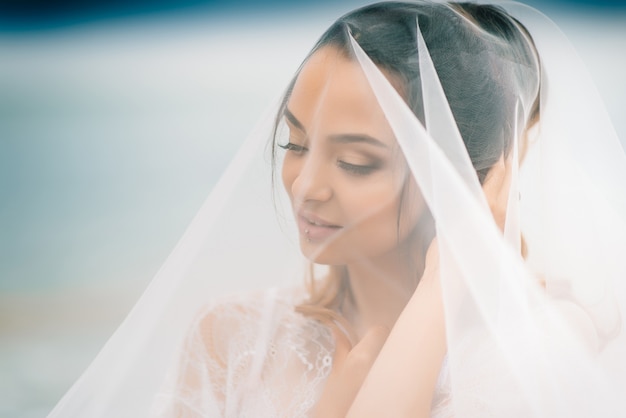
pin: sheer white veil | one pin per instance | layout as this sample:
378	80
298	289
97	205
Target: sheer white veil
533	324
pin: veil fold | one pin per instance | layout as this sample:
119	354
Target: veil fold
533	307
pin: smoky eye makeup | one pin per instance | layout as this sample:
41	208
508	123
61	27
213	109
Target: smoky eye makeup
351	150
360	162
358	169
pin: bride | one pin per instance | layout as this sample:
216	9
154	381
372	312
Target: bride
443	277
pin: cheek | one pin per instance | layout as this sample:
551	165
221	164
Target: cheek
413	210
394	214
375	212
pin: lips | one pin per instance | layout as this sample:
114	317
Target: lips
314	228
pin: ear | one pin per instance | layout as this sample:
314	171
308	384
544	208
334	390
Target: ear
496	188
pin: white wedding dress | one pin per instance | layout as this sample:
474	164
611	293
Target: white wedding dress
232	365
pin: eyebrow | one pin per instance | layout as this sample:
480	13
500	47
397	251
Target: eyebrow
294	121
339	138
356	138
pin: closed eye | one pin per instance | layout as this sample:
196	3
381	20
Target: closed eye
357	169
290	146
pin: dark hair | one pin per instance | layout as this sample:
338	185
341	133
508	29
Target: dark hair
472	63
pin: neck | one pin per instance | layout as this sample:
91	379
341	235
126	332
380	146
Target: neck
380	288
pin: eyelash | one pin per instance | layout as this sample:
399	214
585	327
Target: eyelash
359	170
290	146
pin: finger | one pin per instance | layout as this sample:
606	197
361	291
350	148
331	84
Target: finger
342	347
373	340
357	365
350	367
363	355
432	254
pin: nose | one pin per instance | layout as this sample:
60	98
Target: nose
312	183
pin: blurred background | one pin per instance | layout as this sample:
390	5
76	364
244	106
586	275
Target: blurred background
116	120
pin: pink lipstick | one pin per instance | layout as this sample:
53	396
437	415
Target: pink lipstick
314	228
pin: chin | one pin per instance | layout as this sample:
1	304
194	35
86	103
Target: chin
324	253
334	253
317	254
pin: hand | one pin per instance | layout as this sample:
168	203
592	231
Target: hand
496	187
431	265
350	367
411	357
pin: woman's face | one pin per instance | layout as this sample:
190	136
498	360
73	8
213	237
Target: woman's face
347	180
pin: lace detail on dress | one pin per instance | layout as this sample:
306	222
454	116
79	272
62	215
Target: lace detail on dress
256	357
249	357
